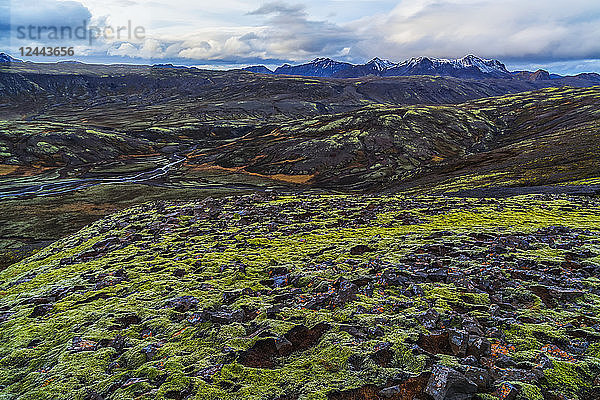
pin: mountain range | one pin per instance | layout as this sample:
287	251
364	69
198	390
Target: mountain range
468	67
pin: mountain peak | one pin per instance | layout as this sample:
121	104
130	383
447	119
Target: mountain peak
320	67
380	64
469	66
472	57
484	65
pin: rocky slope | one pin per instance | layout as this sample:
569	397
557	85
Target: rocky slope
312	297
306	295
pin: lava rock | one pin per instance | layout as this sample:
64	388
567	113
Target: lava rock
435	343
478	347
227	317
480	376
183	303
41	310
360	249
507	391
429	318
265	351
78	344
459	341
446	383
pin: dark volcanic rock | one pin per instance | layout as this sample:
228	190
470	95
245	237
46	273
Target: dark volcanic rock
264	352
480	376
226	317
183	303
78	344
459	341
360	249
410	388
435	343
41	310
551	295
446	383
507	391
429	318
383	355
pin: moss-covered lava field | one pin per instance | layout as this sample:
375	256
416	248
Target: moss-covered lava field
328	297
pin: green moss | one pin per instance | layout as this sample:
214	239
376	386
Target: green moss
533	336
528	391
228	253
569	377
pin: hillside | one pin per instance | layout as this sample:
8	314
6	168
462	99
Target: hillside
539	138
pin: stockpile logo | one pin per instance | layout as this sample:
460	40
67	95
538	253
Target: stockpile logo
81	32
59	29
53	35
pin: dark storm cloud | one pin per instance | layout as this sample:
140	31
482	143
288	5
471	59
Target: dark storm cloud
33	23
48	13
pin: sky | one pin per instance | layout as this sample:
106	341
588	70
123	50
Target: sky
560	36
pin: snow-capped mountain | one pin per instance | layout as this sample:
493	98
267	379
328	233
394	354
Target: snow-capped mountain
380	65
5	58
469	66
466	67
487	66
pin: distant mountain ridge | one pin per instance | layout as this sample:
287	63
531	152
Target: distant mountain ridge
5	58
469	67
321	67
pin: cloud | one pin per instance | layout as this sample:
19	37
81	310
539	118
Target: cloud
48	13
510	29
280	8
286	32
4	22
549	32
43	23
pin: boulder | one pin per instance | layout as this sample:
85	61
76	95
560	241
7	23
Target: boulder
429	318
446	383
360	249
459	341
